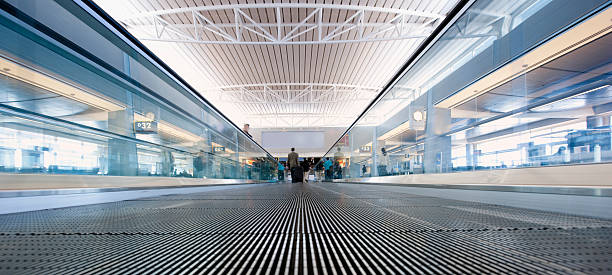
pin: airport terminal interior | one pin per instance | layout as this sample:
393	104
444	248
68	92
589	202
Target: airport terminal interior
305	137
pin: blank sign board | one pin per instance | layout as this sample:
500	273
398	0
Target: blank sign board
297	139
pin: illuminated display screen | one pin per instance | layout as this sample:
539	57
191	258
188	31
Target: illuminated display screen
297	139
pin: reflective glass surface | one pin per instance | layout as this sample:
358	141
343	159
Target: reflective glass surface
509	84
76	98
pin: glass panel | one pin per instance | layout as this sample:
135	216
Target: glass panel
510	84
99	107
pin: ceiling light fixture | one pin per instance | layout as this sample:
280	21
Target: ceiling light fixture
395	131
569	97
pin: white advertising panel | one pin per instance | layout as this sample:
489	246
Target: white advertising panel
297	139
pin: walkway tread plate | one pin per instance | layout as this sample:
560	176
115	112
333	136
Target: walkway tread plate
302	229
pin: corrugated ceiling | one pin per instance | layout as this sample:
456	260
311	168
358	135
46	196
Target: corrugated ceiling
282	84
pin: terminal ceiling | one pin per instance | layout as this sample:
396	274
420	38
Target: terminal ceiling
284	65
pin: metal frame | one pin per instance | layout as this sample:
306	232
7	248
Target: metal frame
292	93
300	103
313	28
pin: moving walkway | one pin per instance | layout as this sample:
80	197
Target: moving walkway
327	228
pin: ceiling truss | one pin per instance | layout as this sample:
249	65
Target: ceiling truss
314	27
301	104
291	93
305	120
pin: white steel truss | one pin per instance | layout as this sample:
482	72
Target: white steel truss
291	93
314	25
273	105
292	120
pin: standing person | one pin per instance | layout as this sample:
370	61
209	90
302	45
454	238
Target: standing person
281	171
319	170
292	159
167	163
337	170
364	169
328	171
306	168
246	128
198	164
294	166
383	164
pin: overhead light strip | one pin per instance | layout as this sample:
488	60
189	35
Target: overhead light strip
395	131
170	129
570	97
46	82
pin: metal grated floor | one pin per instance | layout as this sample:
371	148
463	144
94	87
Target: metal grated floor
302	229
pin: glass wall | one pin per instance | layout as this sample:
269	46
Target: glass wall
77	97
510	84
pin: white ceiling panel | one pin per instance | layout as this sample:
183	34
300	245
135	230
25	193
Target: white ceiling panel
284	64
